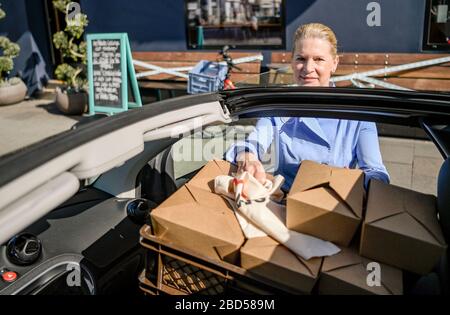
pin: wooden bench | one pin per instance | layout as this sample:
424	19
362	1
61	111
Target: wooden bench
432	78
248	73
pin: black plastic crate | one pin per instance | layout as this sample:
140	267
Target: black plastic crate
171	269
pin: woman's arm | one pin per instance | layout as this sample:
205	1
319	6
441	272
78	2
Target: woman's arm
247	154
369	155
257	142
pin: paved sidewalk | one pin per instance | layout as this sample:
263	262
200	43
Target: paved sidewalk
412	164
31	121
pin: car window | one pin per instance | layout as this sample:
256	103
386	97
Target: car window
195	149
411	159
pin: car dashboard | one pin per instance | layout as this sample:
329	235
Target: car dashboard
88	245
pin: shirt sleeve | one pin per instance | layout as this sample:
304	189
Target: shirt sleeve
257	142
368	154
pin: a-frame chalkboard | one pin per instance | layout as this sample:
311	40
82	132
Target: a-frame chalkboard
110	70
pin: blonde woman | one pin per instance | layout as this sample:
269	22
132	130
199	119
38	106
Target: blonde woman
336	142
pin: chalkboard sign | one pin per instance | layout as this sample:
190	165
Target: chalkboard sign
110	72
107	74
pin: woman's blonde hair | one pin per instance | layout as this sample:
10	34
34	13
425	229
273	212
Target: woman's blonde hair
316	30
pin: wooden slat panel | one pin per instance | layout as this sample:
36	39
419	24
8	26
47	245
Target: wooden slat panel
412	83
245	78
415	84
433	72
187	56
244	67
248	72
390	64
281	57
280	78
389	59
235	77
367	58
422	84
164	76
163	85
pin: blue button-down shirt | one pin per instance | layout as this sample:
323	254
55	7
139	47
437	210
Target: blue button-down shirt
336	142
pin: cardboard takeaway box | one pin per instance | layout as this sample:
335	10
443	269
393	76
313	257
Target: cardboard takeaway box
268	259
401	228
326	202
346	273
199	220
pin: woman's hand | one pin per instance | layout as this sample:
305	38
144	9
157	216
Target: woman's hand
248	162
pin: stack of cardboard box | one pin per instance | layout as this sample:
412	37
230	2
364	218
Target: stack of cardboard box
199	220
326	202
269	259
400	230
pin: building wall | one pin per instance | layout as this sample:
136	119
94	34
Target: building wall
16	22
159	25
401	30
23	16
151	25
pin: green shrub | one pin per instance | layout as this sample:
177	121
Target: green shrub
73	50
10	51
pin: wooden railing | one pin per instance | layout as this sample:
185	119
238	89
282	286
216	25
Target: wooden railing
432	78
249	71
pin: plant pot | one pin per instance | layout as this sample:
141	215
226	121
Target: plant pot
13	94
75	103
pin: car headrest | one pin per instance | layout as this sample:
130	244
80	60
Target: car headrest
443	198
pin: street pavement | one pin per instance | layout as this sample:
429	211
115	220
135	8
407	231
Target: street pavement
29	122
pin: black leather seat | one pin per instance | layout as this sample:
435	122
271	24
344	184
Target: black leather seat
443	205
443	194
437	282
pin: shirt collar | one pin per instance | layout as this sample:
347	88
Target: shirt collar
313	123
314	126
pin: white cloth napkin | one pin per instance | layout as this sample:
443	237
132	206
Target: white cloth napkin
259	215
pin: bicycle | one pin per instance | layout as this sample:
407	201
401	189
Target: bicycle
227	83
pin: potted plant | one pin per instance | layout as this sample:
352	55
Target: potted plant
11	90
72	97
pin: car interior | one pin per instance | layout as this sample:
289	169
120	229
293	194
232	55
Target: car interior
96	232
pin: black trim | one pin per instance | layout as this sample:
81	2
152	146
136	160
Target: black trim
398	107
22	161
439	134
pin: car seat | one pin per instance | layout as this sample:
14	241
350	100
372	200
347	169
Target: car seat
443	206
437	282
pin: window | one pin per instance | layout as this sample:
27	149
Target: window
240	23
437	26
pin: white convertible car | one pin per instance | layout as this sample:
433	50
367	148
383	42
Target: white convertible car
77	201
